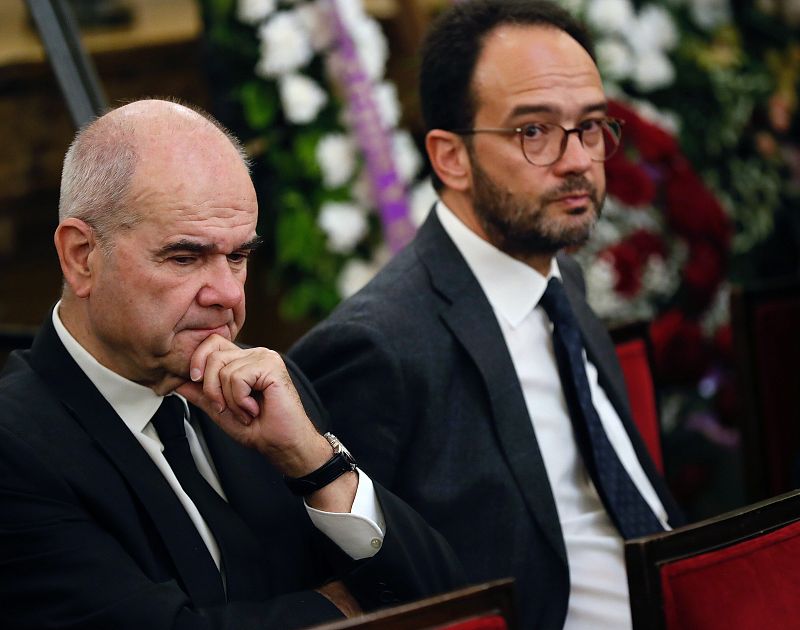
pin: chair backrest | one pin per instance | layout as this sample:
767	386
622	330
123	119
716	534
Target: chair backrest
766	336
738	571
635	353
488	606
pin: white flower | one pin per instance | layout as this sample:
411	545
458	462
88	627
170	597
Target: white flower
601	277
354	275
709	14
344	224
614	58
301	98
316	23
653	28
284	45
336	156
387	104
350	11
356	272
371	46
253	11
653	71
406	157
421	200
610	16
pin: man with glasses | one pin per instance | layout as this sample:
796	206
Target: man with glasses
470	376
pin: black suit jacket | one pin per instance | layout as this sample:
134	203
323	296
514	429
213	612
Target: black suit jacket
419	382
84	541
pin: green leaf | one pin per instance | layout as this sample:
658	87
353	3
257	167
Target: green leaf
258	103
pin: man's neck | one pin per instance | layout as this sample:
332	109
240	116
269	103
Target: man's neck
461	206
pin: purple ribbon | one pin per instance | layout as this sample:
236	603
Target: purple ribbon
388	189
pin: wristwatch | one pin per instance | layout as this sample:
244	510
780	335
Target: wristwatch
342	462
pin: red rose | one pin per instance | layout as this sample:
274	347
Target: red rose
628	265
703	272
647	244
693	211
652	142
681	353
629	182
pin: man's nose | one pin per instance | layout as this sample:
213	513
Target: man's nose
223	287
575	158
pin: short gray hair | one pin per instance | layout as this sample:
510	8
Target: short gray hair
98	170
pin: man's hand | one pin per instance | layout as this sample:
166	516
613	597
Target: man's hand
249	394
337	593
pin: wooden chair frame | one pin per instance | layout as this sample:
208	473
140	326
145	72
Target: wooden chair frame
490	598
645	556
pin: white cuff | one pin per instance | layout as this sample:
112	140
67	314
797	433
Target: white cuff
360	532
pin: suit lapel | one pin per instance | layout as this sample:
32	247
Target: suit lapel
469	316
88	407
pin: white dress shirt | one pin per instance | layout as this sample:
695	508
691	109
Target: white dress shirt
598	581
359	533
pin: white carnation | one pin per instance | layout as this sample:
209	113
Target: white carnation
254	11
285	46
387	104
301	98
614	58
653	71
345	224
406	157
653	28
421	200
316	23
610	16
336	156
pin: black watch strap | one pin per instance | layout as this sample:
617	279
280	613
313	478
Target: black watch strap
341	462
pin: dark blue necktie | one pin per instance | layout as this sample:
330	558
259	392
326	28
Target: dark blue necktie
625	504
241	552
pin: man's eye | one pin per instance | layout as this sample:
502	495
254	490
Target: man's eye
238	257
534	131
592	125
183	260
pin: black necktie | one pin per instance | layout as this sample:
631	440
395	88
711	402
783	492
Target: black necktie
241	552
625	504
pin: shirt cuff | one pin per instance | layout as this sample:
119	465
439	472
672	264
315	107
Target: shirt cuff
360	532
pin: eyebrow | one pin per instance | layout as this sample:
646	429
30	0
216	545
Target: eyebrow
187	245
520	110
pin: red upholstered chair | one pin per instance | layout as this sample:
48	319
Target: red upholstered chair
635	354
488	606
766	337
738	571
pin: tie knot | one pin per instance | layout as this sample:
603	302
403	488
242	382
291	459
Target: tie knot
555	303
168	419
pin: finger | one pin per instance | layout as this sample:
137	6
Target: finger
197	362
242	390
216	361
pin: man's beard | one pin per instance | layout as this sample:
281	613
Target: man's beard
520	229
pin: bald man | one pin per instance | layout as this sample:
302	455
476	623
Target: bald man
153	474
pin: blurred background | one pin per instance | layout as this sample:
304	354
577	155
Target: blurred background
703	209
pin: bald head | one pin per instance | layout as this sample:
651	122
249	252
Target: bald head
101	162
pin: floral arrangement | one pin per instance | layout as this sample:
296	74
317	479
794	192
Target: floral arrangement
702	191
303	82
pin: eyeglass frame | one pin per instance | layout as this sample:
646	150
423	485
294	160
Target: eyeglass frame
565	140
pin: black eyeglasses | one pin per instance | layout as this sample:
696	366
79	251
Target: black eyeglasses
543	144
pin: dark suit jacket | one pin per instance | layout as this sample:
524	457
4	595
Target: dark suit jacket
419	383
85	542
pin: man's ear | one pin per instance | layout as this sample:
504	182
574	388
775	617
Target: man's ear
77	246
449	158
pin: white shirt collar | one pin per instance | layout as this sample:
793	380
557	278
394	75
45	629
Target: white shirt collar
134	403
512	287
